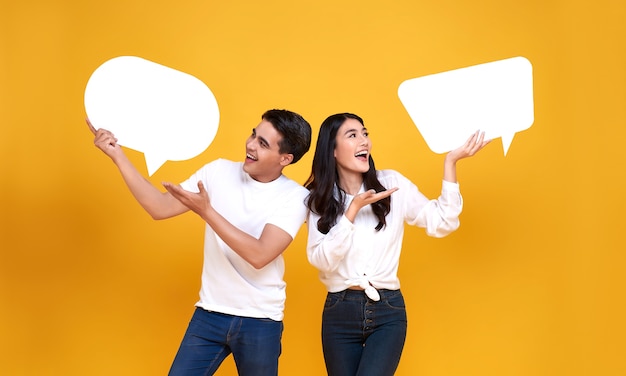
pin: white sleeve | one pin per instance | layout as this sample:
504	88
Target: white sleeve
292	213
204	174
326	251
438	216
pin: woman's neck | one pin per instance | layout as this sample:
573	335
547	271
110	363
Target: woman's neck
350	183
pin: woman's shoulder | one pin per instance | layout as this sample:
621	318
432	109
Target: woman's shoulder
392	178
389	174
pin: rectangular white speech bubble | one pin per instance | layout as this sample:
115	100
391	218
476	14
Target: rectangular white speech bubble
447	107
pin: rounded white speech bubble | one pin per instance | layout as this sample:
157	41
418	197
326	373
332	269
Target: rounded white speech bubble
151	108
495	97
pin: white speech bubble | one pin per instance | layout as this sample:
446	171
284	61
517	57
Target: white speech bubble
160	111
495	97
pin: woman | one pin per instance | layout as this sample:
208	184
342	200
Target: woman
355	237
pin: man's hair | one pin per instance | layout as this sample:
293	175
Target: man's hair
295	130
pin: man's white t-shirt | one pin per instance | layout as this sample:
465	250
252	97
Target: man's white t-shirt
230	284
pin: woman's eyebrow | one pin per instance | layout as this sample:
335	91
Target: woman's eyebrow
355	130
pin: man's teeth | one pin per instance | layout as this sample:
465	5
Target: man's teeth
251	157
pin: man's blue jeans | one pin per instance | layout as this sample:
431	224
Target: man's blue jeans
361	336
212	336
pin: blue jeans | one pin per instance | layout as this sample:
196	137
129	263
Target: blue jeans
363	337
212	336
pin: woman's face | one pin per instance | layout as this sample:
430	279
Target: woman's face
352	149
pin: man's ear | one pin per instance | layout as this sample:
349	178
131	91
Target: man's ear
285	159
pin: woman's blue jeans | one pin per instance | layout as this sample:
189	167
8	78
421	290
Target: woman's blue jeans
361	336
212	336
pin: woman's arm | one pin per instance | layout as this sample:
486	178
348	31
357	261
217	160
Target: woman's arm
472	146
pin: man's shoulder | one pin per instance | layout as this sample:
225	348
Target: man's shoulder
226	163
222	164
290	185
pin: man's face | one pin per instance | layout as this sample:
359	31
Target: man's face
263	161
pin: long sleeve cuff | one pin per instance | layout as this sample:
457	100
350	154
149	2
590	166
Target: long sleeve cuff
450	187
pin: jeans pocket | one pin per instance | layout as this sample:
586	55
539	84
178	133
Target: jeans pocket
395	301
331	300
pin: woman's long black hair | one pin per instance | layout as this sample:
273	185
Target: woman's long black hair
324	177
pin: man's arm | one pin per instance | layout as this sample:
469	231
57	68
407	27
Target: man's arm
257	252
159	205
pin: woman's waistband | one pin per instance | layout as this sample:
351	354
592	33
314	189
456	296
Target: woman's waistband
355	294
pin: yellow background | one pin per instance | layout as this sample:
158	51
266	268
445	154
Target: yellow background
531	284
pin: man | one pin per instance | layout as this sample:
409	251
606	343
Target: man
252	213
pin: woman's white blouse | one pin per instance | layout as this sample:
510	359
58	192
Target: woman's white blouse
355	254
